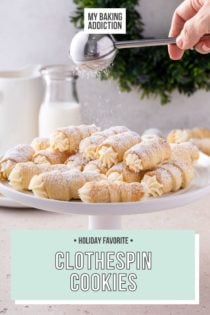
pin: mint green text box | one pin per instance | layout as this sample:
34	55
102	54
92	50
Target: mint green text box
34	276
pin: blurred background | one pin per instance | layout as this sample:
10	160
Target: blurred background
39	32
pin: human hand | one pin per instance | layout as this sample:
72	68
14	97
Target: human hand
190	22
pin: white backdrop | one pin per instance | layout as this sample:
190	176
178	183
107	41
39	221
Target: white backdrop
39	32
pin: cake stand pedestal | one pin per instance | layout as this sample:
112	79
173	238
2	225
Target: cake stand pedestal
104	222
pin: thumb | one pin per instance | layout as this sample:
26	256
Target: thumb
194	29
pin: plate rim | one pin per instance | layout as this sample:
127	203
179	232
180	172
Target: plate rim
120	208
6	202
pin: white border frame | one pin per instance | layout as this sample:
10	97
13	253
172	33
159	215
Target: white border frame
128	302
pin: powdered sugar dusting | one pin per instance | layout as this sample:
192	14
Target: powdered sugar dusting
20	153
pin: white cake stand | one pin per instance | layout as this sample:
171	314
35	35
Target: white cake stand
108	215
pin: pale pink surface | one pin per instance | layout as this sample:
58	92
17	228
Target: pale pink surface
196	217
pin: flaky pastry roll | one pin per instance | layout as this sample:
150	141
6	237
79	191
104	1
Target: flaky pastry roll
120	172
40	143
20	153
95	166
107	191
88	146
76	161
152	132
67	139
61	185
182	135
185	151
50	157
169	177
22	173
147	155
202	144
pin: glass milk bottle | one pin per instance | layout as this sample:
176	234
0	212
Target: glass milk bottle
61	106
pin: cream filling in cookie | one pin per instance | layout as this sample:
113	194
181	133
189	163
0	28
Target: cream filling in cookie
152	186
37	186
133	162
108	156
60	142
6	169
90	153
40	143
84	194
16	180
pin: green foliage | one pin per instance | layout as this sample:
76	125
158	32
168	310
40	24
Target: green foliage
149	70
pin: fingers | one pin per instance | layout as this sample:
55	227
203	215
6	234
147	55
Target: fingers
175	52
183	13
194	29
203	47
